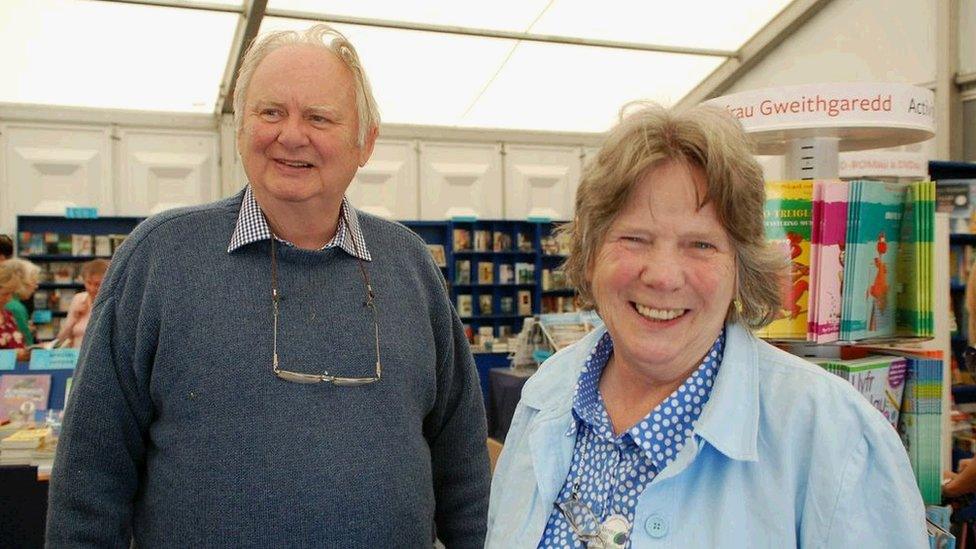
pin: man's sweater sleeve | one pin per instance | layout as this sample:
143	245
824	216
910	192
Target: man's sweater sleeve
457	435
101	449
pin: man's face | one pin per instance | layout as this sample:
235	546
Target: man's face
298	141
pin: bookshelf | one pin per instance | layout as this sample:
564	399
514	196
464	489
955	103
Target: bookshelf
499	272
956	189
60	245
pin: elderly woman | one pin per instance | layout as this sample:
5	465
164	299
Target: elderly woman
30	277
673	423
10	335
73	329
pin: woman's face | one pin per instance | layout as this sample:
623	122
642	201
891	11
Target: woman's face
665	275
92	284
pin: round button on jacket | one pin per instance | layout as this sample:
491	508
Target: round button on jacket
656	526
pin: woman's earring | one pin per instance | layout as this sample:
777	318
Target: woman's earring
737	303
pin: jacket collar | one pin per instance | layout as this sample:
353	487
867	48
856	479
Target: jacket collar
729	421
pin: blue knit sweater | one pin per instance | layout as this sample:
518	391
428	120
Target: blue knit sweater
178	433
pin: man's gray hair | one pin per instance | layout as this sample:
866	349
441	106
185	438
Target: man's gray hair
325	37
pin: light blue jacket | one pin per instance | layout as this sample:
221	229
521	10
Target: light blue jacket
785	454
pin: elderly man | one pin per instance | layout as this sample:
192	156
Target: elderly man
276	369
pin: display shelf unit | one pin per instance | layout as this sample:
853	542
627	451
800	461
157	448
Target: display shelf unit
56	295
939	170
482	269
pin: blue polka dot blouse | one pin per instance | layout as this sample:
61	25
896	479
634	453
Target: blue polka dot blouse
613	471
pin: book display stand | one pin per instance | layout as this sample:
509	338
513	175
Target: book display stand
810	125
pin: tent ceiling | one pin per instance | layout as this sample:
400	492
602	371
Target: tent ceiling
172	57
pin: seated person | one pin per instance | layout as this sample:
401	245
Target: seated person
30	275
10	335
73	329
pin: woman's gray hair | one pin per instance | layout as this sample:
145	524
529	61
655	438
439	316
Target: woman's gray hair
29	273
703	136
322	36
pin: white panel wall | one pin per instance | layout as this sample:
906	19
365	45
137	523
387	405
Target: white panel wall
47	168
967	36
161	170
387	185
460	180
541	181
854	41
232	177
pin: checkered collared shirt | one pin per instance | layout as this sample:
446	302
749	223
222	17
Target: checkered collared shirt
252	227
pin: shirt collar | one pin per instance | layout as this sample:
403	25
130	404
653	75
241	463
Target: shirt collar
674	417
253	227
730	422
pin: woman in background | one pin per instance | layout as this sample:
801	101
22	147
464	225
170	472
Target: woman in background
10	335
30	276
674	424
73	329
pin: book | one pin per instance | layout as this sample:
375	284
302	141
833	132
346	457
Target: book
464	305
103	245
437	252
955	197
116	240
28	438
17	390
501	242
486	272
81	245
879	378
871	259
788	217
523	241
462	271
524	273
827	267
482	240
506	273
462	240
524	303
913	313
506	305
484	304
66	244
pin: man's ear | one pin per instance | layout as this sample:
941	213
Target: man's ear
367	149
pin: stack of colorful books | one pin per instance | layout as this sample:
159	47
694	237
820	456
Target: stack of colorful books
859	258
920	425
880	378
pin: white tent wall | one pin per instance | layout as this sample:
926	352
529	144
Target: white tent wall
846	41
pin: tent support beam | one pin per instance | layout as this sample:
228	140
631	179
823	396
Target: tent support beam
492	33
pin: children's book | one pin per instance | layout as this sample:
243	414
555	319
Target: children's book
788	216
880	379
827	272
16	390
871	259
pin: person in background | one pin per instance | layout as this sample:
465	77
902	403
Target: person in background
6	247
673	423
30	275
960	483
276	369
72	331
10	335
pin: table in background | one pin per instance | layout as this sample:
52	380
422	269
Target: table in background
504	392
